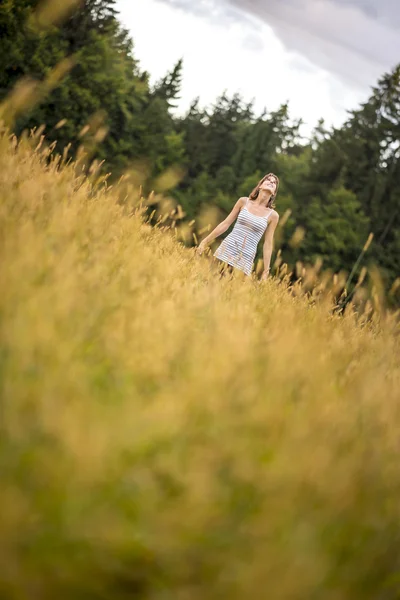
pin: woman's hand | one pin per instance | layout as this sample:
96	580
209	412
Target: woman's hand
265	274
201	247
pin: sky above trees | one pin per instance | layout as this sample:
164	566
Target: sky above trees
321	55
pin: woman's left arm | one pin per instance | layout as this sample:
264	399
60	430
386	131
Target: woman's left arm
269	242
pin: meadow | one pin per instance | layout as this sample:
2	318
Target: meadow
169	434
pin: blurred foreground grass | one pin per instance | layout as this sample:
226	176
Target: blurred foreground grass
169	435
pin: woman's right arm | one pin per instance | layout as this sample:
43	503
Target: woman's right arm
223	226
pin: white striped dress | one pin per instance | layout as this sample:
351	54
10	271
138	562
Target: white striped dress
240	246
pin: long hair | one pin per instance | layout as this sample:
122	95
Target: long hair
256	191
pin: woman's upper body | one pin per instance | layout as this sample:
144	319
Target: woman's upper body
255	209
240	246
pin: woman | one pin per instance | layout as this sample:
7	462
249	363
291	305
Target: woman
255	216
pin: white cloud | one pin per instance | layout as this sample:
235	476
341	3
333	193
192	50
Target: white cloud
345	38
243	55
355	39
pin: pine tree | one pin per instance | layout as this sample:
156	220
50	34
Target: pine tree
106	80
371	142
169	87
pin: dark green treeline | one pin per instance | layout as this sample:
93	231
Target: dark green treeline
336	187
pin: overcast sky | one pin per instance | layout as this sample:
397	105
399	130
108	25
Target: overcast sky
322	56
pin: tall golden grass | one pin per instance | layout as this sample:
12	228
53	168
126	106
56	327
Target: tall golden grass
167	434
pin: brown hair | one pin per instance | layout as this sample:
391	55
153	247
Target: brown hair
256	191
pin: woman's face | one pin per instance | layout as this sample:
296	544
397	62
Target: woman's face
269	184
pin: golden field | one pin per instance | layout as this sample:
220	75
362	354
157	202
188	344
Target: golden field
170	435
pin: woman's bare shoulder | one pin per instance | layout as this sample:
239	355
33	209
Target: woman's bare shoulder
274	215
241	202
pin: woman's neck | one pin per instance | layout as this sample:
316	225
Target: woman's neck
263	198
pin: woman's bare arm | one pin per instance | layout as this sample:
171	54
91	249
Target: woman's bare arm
269	242
223	226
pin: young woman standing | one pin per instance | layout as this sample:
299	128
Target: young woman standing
255	216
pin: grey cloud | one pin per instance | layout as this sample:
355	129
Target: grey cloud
339	37
356	40
386	11
214	10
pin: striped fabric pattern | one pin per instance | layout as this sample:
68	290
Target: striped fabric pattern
239	247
